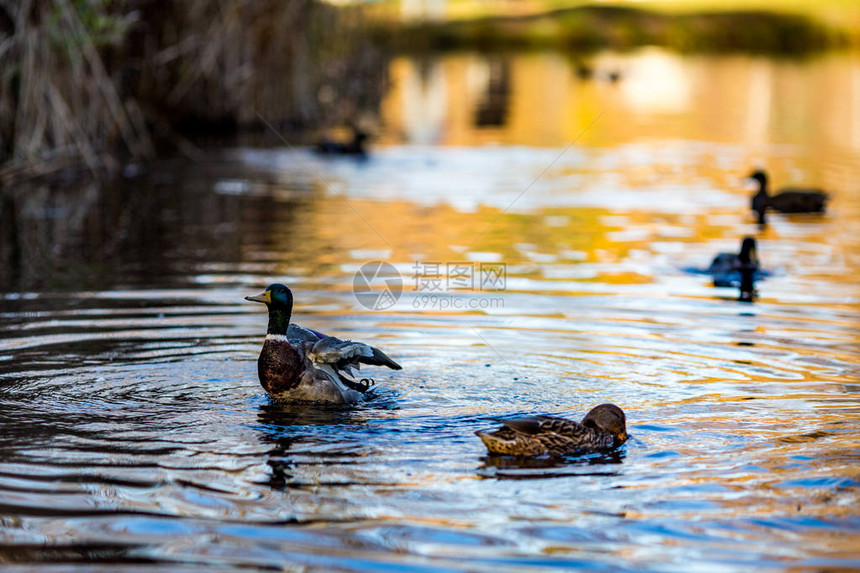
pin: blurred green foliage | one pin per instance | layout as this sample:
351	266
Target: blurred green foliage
593	27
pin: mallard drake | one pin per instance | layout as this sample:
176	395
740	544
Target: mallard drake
602	428
789	200
298	364
354	147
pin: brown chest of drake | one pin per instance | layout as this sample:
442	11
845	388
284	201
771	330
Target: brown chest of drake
280	366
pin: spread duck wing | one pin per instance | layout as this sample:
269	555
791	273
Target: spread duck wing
302	334
346	353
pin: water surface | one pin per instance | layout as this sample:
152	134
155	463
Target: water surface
133	431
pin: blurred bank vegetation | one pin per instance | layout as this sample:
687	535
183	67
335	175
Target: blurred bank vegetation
836	13
96	82
756	26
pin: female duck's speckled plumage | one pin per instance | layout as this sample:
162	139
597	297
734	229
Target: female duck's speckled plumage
602	428
301	365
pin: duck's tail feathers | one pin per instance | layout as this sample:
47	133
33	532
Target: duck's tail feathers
501	441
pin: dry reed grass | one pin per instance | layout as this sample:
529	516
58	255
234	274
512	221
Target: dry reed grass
92	82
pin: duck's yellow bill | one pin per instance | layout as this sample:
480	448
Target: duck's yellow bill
264	297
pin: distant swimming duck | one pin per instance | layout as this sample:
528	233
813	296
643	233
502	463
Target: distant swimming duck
584	71
603	427
789	200
302	365
740	270
354	147
726	267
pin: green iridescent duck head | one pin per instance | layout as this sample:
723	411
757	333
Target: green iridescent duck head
279	300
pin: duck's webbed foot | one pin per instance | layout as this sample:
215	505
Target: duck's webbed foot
362	385
366	383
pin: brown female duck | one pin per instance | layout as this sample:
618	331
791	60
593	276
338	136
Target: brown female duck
602	428
301	365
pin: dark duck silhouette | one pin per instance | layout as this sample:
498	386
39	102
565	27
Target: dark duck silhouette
788	200
353	147
298	364
604	427
738	269
584	71
747	283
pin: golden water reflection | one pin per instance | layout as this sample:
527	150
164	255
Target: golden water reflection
756	101
130	394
